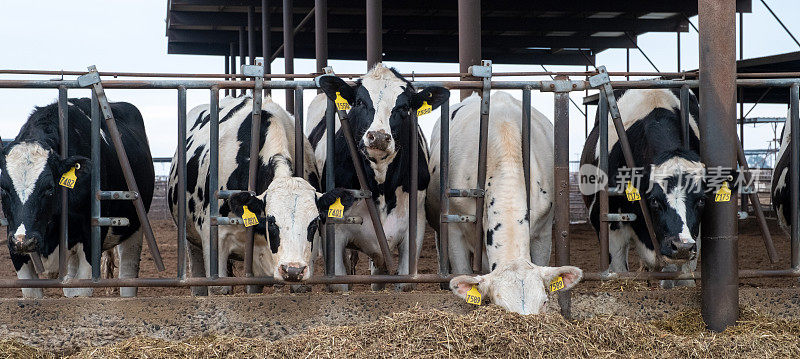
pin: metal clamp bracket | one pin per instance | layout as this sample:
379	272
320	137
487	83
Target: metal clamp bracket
225	194
742	215
253	70
620	217
561	85
111	222
457	218
360	193
472	192
482	70
117	195
346	220
227	221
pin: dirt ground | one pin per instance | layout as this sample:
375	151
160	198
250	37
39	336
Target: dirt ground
584	254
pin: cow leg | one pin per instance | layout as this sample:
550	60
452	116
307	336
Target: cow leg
618	242
443	270
541	243
79	268
339	267
222	266
196	267
459	251
404	256
27	272
687	267
130	254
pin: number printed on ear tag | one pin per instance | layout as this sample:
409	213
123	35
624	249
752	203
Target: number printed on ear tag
341	103
424	109
249	217
68	179
632	193
336	210
556	284
473	296
723	194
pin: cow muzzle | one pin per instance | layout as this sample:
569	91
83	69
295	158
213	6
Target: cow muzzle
24	243
292	272
677	249
378	140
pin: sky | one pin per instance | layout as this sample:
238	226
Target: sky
130	36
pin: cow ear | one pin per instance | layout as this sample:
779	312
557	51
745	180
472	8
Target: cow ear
238	200
435	96
81	163
330	85
462	284
325	200
571	275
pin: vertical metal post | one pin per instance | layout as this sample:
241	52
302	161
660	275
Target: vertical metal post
374	32
227	71
526	146
413	171
242	56
627	63
181	182
678	47
63	132
252	178
685	128
483	140
469	38
720	290
561	177
233	65
444	187
321	33
298	132
794	113
602	111
288	48
742	196
251	34
330	183
95	157
213	183
266	37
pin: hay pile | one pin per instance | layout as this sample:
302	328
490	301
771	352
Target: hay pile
488	332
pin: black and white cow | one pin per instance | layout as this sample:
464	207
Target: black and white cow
382	101
781	192
289	206
515	239
672	182
29	185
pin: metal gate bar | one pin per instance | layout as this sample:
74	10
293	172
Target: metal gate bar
561	182
63	132
213	184
330	183
444	188
181	158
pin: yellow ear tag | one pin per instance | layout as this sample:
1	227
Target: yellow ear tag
249	217
336	210
424	109
341	103
68	179
723	194
632	193
556	284
473	296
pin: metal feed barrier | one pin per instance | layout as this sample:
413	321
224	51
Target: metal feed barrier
561	86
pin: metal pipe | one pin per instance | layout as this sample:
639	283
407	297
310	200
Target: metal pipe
63	133
321	33
233	68
227	70
720	291
685	128
330	183
252	176
251	34
743	196
374	32
297	28
794	114
526	147
413	171
762	221
602	233
444	188
298	133
266	37
561	180
288	48
213	183
242	54
95	186
678	46
181	203
483	139
469	39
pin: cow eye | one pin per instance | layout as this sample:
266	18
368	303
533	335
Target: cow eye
359	102
655	203
701	202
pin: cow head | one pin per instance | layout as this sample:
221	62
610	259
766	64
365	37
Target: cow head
292	212
676	200
381	103
29	176
518	286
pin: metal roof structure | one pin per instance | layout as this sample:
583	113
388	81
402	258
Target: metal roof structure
567	32
788	62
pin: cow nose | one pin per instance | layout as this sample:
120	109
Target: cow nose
679	249
293	272
24	244
378	140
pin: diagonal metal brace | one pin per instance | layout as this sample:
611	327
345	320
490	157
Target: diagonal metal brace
603	82
93	79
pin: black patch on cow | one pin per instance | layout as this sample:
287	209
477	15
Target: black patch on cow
239	176
494	265
489	237
313	179
316	133
193	168
191	202
274	234
491	203
200	194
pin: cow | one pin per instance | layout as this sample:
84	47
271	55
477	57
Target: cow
781	195
672	182
380	117
30	172
289	207
517	242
